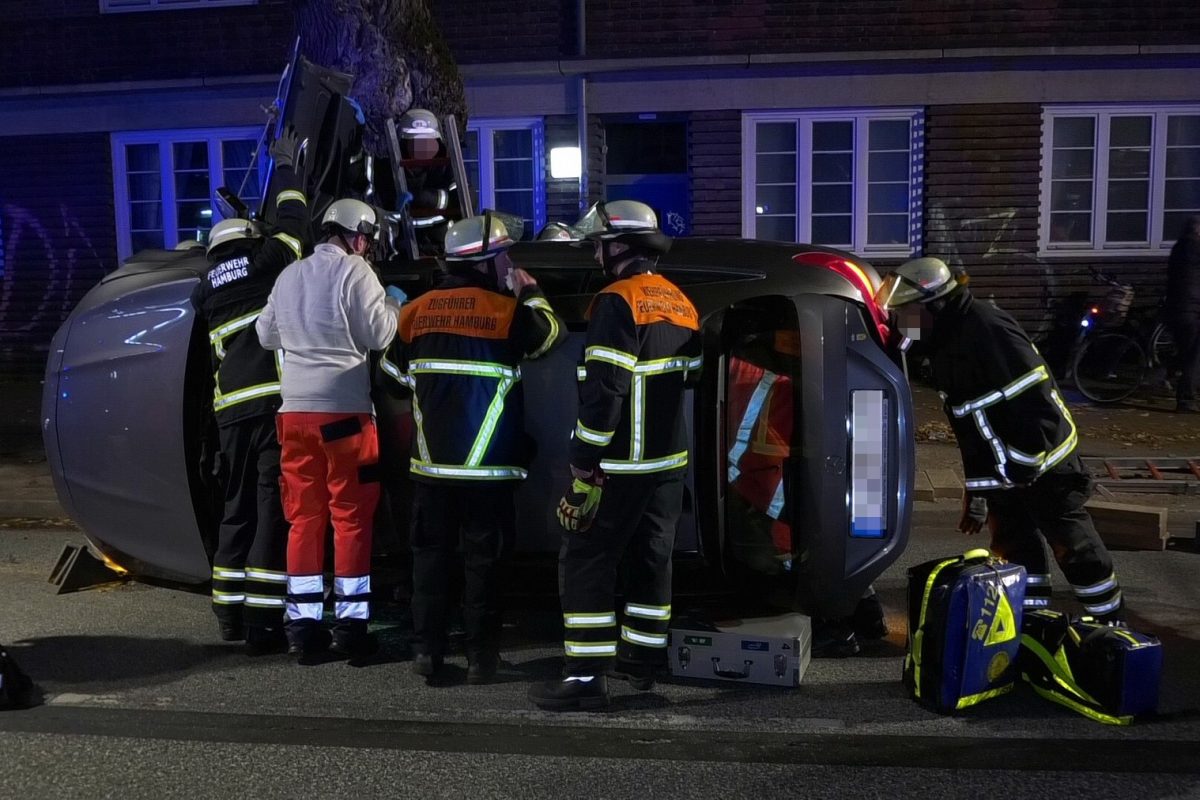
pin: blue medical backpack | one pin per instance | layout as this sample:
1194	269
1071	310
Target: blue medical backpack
964	626
1108	674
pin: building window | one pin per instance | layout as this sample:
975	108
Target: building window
1118	179
847	179
118	6
164	182
513	178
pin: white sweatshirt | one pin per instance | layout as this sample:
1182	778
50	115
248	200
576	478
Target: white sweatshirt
327	312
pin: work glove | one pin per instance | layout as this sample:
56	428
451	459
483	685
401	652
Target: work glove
397	294
974	513
283	149
577	508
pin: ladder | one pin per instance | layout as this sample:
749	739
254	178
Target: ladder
1156	475
408	234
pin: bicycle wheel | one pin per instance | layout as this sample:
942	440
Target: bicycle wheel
1162	347
1109	367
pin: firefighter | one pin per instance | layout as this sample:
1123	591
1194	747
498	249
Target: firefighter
630	444
327	312
248	575
1016	436
432	187
459	350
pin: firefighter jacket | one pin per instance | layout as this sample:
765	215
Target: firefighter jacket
1004	406
643	349
459	350
761	419
435	196
230	297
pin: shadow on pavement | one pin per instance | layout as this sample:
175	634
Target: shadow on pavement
73	661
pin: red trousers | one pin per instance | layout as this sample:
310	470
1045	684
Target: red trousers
330	466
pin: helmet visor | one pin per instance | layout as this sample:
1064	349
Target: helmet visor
594	223
895	291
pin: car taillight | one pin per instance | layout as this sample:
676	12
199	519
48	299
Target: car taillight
858	279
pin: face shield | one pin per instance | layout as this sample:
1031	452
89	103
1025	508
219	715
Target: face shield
891	293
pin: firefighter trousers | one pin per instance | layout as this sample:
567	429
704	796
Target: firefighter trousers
481	519
330	472
634	528
1051	509
249	578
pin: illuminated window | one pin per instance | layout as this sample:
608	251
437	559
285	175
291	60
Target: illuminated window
1118	178
848	179
513	180
117	6
165	181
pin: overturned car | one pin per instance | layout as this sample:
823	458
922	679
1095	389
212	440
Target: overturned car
801	425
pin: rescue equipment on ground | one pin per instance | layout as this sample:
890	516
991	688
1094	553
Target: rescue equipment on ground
772	650
964	623
1107	673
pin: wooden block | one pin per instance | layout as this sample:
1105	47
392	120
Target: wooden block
946	485
1130	526
924	489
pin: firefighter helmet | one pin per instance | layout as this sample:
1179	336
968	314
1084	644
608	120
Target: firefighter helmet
626	221
466	239
558	232
917	281
350	216
231	230
417	123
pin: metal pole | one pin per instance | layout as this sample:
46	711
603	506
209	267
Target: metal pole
581	115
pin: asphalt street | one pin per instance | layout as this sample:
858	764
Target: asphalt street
143	700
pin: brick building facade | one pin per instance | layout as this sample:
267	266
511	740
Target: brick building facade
1023	140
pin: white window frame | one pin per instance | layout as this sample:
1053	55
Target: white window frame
127	6
860	117
484	128
165	140
1102	114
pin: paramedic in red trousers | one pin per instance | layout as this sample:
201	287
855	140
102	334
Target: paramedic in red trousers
630	444
327	312
459	350
248	575
1016	436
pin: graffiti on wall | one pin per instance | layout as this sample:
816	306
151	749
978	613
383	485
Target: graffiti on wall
988	247
46	263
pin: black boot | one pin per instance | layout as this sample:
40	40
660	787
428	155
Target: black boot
573	693
231	630
640	676
263	640
354	644
833	639
482	668
868	620
426	665
307	641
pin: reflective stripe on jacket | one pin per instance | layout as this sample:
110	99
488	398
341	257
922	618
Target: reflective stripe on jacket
1002	402
642	351
459	350
230	297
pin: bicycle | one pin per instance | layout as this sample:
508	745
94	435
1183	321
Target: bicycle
1116	350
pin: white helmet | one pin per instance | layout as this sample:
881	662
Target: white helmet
625	221
465	240
351	216
230	230
417	123
918	281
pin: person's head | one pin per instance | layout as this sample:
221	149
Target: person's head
917	289
481	244
621	231
420	134
230	236
351	224
1191	228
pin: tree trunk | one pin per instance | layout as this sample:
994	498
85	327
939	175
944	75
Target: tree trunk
395	51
